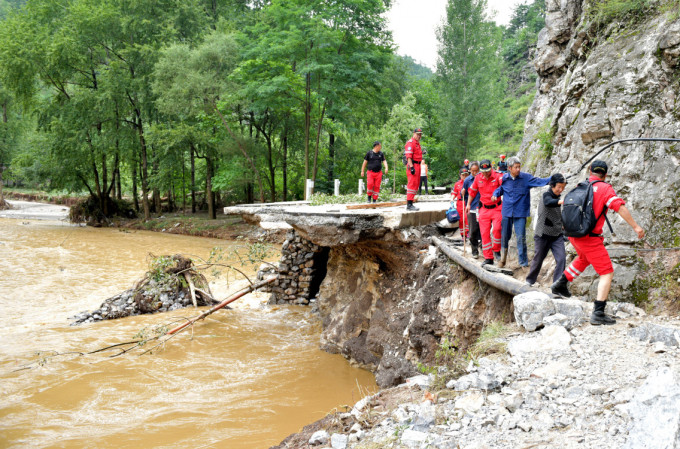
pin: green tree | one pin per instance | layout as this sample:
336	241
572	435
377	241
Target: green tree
469	75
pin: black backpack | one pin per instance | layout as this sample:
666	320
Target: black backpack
578	215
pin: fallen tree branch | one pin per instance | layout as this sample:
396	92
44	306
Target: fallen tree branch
192	287
227	301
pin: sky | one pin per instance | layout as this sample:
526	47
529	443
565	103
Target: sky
413	24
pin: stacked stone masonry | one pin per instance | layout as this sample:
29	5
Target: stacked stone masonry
301	269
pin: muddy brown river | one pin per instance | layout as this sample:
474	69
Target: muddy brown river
245	378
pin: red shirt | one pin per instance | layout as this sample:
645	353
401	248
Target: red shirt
486	187
603	195
457	187
413	150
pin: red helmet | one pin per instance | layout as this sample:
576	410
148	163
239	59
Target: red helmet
466	162
502	156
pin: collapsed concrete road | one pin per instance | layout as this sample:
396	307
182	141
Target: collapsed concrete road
384	294
335	224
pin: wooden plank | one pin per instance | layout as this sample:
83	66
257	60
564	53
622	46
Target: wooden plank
497	280
376	205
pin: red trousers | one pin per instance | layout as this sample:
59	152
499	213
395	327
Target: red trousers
463	226
589	251
490	226
373	180
413	181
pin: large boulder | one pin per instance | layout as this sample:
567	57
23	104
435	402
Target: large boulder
655	413
534	310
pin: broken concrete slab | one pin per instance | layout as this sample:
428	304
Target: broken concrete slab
335	224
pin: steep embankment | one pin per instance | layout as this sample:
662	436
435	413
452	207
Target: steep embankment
598	84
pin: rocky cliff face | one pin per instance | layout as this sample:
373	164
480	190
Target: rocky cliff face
600	85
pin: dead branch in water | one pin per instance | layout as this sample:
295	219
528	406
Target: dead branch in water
161	334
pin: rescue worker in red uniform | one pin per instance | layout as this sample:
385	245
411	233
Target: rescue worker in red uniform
457	196
590	249
372	161
414	156
490	212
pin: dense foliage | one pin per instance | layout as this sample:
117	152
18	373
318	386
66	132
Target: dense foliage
196	103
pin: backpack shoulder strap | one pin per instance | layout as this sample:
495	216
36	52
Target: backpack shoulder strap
604	212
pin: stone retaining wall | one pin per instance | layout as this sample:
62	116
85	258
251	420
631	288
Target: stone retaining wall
301	269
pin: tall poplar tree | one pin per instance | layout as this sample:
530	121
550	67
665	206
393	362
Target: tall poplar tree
469	76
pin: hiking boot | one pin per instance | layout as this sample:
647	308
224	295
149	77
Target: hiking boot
599	317
561	287
375	200
487	262
497	255
501	264
475	252
410	206
370	199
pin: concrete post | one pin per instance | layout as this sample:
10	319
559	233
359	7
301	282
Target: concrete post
309	187
336	191
361	186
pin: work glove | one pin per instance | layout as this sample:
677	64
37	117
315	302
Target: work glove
413	170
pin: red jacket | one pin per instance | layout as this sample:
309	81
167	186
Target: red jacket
457	187
413	150
603	195
486	187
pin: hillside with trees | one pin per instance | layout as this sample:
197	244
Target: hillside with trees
197	104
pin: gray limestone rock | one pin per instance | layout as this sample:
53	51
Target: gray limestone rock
339	441
551	338
319	437
668	335
655	413
531	308
413	438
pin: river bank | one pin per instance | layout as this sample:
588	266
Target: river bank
590	387
225	227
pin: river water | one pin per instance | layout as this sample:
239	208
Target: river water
245	378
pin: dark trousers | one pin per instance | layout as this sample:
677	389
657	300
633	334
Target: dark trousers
423	181
475	234
541	246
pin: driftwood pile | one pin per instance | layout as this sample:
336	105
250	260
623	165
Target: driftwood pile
175	286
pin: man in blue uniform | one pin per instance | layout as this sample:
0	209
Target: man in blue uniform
516	204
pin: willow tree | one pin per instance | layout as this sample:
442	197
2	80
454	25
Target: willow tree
469	75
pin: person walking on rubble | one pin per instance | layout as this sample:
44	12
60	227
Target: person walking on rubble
374	160
473	225
490	212
549	235
515	190
590	248
457	196
414	156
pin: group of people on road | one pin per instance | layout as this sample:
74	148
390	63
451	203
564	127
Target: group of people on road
492	203
500	203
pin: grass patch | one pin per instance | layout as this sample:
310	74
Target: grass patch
452	360
545	138
603	12
320	199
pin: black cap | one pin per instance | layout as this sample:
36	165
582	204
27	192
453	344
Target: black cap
599	167
376	143
557	178
484	165
418	130
464	171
